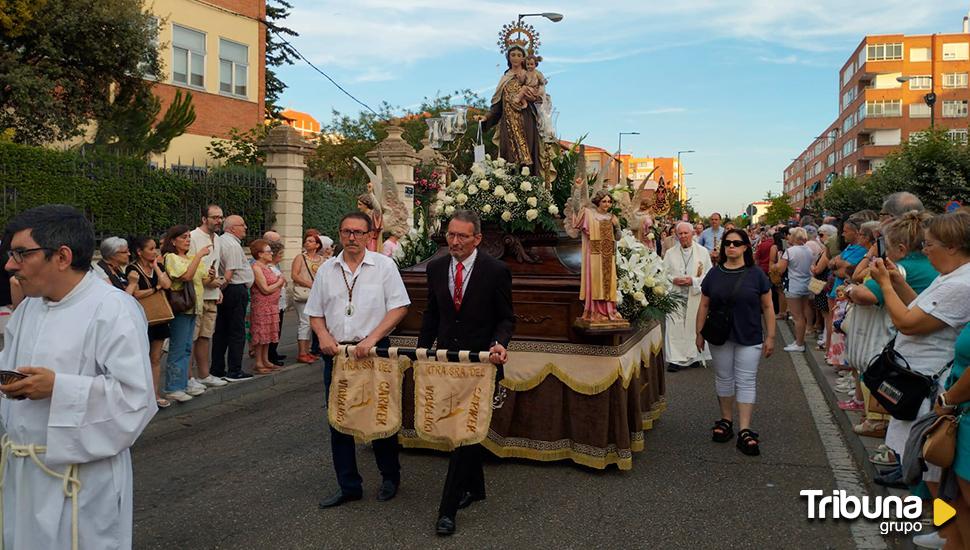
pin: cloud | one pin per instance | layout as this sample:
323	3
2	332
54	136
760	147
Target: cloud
371	75
787	60
660	111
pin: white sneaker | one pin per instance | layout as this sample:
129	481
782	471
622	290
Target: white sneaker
793	348
929	540
213	382
179	396
194	387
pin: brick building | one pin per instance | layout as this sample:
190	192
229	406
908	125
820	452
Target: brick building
217	50
882	103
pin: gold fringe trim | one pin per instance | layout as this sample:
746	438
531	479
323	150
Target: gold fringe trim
531	449
578	386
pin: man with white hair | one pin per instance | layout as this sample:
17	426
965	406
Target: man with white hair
686	264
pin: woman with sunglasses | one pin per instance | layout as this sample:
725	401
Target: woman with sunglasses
736	285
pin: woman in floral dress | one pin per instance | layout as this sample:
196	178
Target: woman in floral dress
264	309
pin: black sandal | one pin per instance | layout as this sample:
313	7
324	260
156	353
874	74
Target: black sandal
748	442
722	431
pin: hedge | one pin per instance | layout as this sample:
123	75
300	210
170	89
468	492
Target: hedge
324	203
125	196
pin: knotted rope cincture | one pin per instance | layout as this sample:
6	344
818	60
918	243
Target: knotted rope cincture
70	479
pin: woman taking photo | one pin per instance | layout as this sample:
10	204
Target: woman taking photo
146	277
303	272
738	286
929	327
265	293
183	270
777	278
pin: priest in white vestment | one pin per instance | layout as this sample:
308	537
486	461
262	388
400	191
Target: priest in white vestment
67	477
687	263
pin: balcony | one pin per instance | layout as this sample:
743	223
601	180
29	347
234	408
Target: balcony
869	152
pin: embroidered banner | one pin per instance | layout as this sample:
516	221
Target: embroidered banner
365	397
453	401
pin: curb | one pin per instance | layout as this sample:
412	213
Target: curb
853	441
234	391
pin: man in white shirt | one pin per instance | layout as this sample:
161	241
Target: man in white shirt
205	323
87	396
357	297
229	337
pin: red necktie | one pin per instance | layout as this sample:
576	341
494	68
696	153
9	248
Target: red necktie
459	270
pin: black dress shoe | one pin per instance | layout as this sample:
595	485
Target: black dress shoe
277	362
467	499
337	499
696	365
673	368
387	491
445	526
279	357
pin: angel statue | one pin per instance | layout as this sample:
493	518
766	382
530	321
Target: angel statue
516	106
387	211
600	229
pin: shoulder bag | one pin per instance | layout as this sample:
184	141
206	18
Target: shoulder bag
897	387
717	325
301	293
183	299
156	306
941	441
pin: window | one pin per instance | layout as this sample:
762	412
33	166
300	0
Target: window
848	148
916	137
829	160
143	67
920	83
919	54
884	108
955	80
849	170
957	135
848	123
919	110
188	47
884	52
861	115
233	67
955	108
956	52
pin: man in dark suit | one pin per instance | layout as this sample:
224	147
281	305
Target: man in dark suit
469	308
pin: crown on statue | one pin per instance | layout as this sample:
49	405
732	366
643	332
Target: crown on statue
519	34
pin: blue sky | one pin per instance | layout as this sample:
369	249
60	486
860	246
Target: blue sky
745	83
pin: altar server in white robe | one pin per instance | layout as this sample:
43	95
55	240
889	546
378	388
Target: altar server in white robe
687	263
67	477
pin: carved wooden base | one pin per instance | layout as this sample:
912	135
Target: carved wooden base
601	327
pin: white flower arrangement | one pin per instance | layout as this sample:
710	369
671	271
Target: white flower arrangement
492	190
642	286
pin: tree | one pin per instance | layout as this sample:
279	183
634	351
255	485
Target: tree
780	210
241	148
347	137
278	53
678	208
58	72
846	196
130	127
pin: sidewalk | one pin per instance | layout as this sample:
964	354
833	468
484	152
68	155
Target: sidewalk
861	447
233	391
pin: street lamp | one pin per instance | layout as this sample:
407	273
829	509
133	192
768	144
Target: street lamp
678	159
552	16
929	98
619	151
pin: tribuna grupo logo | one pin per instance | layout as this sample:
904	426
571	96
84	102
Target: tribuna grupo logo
894	514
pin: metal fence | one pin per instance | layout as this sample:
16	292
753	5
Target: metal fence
124	196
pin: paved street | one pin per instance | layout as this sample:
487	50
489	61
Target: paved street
248	474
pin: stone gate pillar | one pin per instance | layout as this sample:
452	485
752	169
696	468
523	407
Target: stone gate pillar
286	153
401	160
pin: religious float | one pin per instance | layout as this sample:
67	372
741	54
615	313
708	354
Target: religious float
585	378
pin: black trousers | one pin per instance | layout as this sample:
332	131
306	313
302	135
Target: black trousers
344	450
229	337
465	475
274	347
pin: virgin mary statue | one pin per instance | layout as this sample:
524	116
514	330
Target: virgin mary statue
514	112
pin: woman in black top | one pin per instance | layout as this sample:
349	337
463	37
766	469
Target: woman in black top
145	277
736	360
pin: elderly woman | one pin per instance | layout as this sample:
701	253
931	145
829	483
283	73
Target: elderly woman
114	260
797	261
871	329
274	357
930	325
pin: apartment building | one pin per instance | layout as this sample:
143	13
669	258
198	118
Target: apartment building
215	49
305	123
884	99
670	168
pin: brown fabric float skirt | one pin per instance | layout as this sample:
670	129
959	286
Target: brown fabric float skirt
551	421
